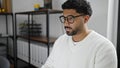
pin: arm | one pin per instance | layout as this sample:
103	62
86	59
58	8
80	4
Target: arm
106	57
51	59
49	62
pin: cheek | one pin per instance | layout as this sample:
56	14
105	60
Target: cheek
79	24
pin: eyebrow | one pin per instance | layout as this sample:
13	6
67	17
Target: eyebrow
68	15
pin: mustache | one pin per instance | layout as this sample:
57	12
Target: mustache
67	27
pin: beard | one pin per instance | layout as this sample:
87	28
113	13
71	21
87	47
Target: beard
70	31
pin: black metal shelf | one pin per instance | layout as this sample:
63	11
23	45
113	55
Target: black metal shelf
6	18
41	11
7	34
43	39
6	13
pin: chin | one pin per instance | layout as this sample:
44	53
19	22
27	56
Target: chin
69	34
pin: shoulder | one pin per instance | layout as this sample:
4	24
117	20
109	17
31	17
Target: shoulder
105	52
62	41
100	38
102	43
63	37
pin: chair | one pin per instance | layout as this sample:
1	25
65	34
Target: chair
4	63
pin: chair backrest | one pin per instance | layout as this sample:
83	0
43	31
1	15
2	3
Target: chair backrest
4	63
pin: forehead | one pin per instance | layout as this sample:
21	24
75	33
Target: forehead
67	12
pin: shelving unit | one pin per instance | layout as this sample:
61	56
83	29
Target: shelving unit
43	39
39	39
6	19
7	36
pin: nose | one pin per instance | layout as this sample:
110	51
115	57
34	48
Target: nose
66	23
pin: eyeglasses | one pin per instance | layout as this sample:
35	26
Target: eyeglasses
70	18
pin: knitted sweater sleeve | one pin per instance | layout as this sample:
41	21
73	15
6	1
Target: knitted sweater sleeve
50	61
106	57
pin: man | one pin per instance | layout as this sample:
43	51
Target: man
80	47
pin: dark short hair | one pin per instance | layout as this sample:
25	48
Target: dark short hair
81	6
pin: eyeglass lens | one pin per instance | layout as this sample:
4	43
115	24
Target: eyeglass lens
69	19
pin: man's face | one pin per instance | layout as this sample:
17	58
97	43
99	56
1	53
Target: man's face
76	26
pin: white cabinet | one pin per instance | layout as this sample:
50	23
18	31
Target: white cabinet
38	52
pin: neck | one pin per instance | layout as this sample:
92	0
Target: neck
80	36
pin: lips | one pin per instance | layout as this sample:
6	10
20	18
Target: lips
68	28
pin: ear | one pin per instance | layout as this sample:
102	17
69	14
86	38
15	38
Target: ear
86	18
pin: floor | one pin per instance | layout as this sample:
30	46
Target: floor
21	64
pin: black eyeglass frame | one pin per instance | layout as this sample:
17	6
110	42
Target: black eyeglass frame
66	18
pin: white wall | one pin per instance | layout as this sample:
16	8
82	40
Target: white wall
98	21
2	25
57	4
25	5
112	21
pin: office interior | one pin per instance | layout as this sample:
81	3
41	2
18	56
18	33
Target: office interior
24	52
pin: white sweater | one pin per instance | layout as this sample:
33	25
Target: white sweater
94	51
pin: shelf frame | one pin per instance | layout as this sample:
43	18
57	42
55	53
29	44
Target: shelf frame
7	34
6	20
47	40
